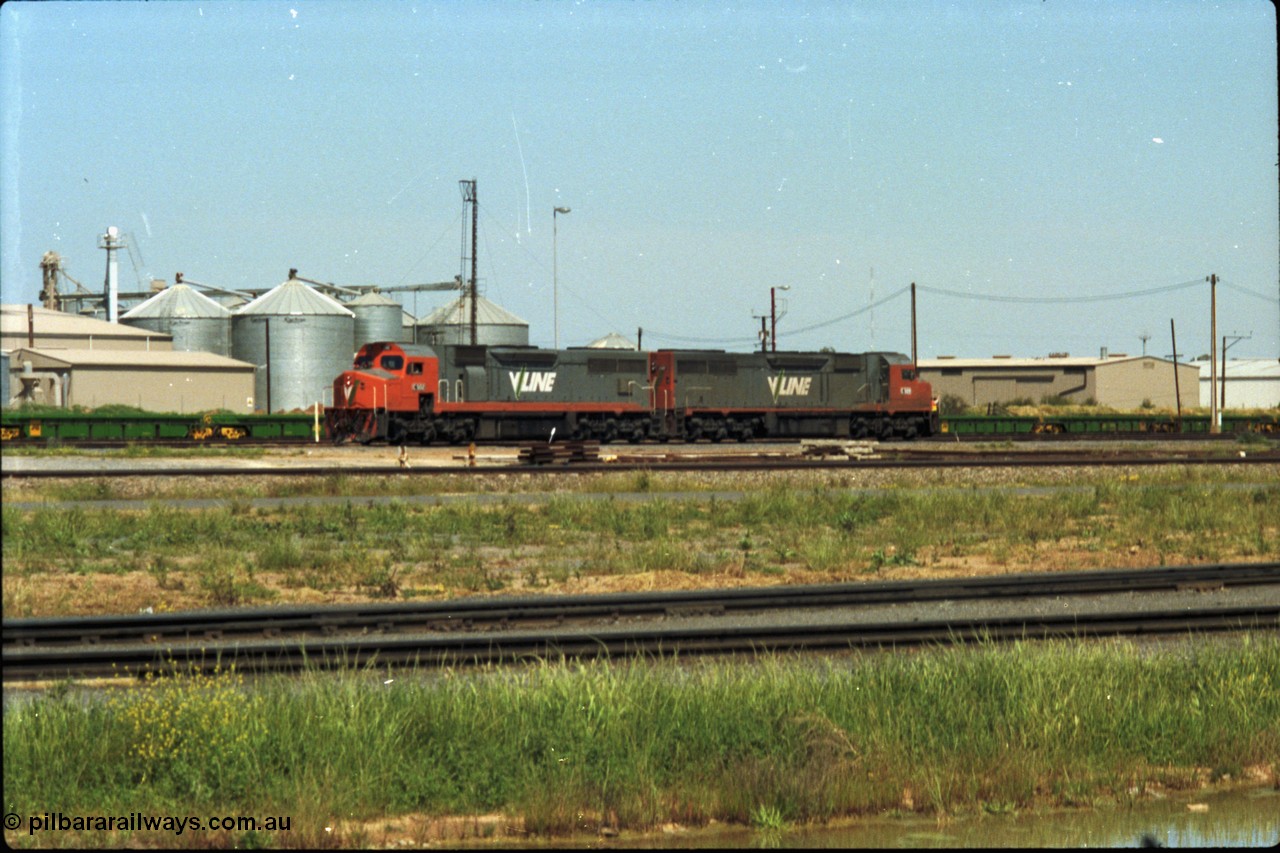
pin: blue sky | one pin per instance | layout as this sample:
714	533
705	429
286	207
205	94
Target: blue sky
1055	176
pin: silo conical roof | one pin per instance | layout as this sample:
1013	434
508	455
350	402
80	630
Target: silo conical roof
294	297
372	298
613	340
177	301
458	313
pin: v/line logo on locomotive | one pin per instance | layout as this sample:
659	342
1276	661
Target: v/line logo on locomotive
532	381
544	382
783	385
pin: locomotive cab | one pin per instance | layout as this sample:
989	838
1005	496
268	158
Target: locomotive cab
390	391
909	395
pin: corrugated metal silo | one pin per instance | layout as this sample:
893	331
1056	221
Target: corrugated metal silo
377	319
452	325
196	322
4	380
309	336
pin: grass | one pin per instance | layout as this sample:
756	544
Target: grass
571	746
237	553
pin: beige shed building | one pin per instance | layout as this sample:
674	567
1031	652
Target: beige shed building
164	381
1118	381
42	328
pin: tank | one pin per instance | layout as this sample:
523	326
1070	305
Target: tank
451	324
613	340
377	319
196	322
300	338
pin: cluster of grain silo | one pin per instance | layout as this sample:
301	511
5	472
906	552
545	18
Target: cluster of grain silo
300	339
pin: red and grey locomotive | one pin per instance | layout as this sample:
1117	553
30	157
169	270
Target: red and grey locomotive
456	393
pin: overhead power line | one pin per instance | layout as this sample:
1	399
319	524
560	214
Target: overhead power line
1059	300
1246	291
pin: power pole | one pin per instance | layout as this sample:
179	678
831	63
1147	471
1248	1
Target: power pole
1177	392
469	197
914	361
1215	424
1235	339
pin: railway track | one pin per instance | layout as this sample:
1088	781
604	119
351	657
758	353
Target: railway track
693	462
481	631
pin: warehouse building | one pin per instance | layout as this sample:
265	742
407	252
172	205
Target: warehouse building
44	328
1117	381
1251	383
157	381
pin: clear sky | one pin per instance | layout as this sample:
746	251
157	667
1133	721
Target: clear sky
1055	176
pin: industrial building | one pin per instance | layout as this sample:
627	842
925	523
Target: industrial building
1250	383
1117	381
156	381
44	328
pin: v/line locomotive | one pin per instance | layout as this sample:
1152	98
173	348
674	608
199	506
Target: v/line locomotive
456	393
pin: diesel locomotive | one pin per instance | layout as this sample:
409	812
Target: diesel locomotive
456	393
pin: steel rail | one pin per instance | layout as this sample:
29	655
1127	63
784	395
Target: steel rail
1084	459
469	650
505	613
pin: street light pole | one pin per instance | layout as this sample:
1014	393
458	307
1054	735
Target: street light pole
773	315
555	278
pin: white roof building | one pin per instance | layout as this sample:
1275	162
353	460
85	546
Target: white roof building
1251	383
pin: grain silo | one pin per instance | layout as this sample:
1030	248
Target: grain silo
377	319
451	324
299	339
613	340
196	322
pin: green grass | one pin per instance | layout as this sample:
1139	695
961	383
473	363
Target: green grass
833	532
965	729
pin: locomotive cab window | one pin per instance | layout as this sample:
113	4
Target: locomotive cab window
415	368
908	375
392	362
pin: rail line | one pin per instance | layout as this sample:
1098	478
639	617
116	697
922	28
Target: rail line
682	463
498	629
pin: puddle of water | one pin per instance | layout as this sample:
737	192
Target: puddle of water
1241	818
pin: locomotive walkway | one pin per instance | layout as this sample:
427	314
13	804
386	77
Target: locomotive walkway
1153	601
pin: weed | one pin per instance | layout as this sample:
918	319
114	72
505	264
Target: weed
767	818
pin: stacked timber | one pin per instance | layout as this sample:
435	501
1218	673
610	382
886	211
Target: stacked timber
564	453
827	447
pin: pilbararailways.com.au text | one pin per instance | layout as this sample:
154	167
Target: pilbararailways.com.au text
140	822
